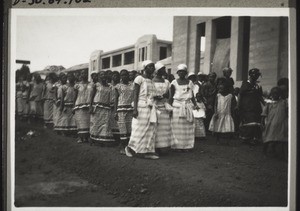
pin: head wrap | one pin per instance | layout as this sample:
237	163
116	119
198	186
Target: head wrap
191	74
182	67
158	66
147	62
254	71
227	69
94	71
201	73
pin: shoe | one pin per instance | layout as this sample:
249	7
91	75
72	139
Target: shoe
152	157
127	152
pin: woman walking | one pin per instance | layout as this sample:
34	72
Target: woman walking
100	110
183	101
114	124
163	108
35	100
250	108
142	140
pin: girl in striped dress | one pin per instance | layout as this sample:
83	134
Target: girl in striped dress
56	104
49	99
123	108
35	100
114	124
66	93
163	130
182	121
26	94
100	109
81	109
142	140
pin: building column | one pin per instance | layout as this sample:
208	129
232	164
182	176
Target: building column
210	45
122	59
236	47
110	62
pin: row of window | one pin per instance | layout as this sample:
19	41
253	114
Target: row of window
129	57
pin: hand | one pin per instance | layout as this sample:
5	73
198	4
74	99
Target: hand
135	113
116	116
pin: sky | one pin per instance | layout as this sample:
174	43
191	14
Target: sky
70	40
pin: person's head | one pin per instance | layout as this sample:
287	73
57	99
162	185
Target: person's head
108	76
132	75
192	77
63	78
283	84
116	77
149	67
222	89
212	77
102	76
236	91
266	94
201	77
254	74
182	71
227	71
37	78
275	93
94	76
52	77
124	75
84	75
160	69
71	78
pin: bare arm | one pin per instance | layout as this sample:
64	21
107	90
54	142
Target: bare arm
136	93
172	92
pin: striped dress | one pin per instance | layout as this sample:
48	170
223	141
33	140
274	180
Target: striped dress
49	100
142	138
66	119
163	130
82	115
100	124
36	104
125	109
182	121
56	112
114	124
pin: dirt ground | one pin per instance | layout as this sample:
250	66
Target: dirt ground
55	171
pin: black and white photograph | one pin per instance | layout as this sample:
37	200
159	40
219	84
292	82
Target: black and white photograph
151	108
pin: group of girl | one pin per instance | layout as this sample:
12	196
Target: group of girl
146	113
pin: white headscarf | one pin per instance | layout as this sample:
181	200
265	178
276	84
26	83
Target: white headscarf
158	66
147	62
182	67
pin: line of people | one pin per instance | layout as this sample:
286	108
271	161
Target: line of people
145	114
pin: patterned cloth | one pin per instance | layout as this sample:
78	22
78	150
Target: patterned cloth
49	97
142	138
276	122
100	128
250	110
222	121
82	115
114	123
199	123
125	109
56	112
163	130
66	120
36	105
182	121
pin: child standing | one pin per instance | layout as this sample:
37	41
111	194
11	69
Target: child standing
275	121
222	124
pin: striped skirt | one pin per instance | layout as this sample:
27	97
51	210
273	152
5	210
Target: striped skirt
55	115
100	129
183	131
114	124
163	130
48	111
124	123
142	138
82	118
199	128
66	120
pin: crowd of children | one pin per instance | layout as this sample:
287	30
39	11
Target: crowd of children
147	113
